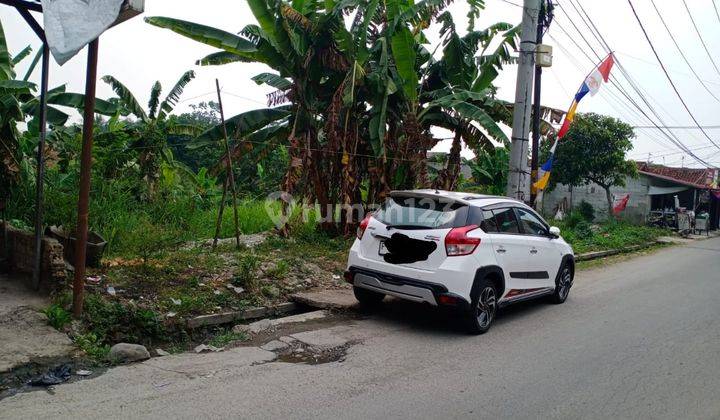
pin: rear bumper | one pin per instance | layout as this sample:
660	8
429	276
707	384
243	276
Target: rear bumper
404	288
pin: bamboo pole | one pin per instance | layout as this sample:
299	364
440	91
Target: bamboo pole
220	213
229	165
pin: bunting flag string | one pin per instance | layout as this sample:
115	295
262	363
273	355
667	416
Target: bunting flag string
590	85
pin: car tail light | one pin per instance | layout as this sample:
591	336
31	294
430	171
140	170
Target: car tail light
458	243
448	300
363	225
348	275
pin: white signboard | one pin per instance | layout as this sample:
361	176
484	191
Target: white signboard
72	24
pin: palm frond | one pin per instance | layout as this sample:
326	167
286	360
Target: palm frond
154	99
126	97
222	57
21	55
171	100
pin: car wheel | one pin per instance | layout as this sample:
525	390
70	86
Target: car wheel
367	297
483	311
563	285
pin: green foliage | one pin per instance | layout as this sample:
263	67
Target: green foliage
113	322
611	234
93	346
279	271
57	316
246	274
227	337
490	170
368	85
586	210
153	240
270	291
593	150
582	229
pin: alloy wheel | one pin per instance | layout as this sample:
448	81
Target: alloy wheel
486	307
564	284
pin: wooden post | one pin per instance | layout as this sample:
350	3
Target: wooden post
229	165
85	164
218	224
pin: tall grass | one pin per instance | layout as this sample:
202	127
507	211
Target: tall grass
131	225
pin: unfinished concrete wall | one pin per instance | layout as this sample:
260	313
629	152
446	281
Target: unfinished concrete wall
637	209
19	248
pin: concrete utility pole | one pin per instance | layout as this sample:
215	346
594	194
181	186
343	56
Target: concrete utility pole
519	176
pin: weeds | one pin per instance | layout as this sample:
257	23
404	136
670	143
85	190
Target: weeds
226	338
610	234
112	322
246	275
92	346
57	316
280	271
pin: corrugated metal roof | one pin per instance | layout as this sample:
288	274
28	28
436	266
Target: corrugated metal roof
700	178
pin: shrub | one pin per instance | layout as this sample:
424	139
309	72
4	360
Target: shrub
572	219
582	230
246	276
112	322
92	346
57	316
586	210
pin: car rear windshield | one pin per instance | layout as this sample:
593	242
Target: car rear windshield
421	213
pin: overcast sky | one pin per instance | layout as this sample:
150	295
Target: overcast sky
138	54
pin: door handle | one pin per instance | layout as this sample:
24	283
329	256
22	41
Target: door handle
533	251
501	250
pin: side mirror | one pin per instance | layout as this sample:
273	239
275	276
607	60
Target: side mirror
554	231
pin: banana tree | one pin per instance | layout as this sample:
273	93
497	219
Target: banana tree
360	92
18	102
299	43
152	127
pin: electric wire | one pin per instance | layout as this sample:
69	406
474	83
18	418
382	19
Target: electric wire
677	92
640	91
635	86
682	54
702	41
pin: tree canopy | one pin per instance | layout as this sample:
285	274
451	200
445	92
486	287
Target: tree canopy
593	151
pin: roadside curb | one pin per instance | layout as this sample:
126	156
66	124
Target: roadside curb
250	313
602	254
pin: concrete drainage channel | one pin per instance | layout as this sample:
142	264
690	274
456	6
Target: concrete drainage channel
302	338
298	338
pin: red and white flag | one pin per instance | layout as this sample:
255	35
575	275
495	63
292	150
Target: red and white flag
600	74
621	203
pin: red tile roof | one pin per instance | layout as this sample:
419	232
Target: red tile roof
699	178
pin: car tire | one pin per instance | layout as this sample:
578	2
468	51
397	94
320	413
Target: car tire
483	309
563	283
367	298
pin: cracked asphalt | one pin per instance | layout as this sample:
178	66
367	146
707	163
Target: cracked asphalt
636	339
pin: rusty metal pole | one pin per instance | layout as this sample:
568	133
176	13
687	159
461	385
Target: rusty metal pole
85	164
229	165
39	178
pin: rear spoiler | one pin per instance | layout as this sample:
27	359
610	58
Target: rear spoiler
430	195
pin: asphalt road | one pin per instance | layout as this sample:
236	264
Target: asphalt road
637	339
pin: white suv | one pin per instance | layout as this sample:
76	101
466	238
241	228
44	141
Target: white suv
472	252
